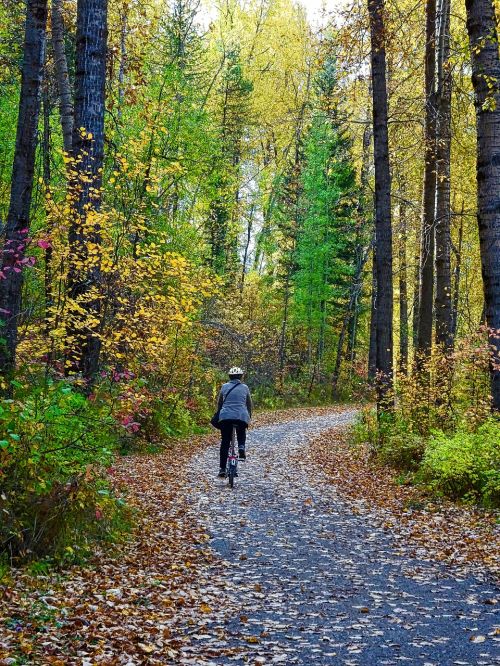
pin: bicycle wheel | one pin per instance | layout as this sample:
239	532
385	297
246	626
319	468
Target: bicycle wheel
230	476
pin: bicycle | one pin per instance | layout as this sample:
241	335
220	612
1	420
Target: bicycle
232	460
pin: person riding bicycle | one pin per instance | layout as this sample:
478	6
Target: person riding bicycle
235	405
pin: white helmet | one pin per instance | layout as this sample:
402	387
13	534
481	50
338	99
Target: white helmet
235	371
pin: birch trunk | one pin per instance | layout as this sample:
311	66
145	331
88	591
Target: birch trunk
62	76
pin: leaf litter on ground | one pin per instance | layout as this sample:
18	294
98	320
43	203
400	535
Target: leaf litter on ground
126	601
165	596
464	536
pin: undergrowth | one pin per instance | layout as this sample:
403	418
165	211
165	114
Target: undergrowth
442	431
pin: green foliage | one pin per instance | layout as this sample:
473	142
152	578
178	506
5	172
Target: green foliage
461	463
54	495
465	464
174	418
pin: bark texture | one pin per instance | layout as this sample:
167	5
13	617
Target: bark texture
483	39
84	276
62	76
383	227
17	224
426	296
403	291
442	302
372	351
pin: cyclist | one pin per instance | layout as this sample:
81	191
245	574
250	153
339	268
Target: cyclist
235	404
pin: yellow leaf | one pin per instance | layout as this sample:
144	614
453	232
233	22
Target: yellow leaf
147	648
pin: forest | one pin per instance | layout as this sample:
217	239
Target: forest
185	187
308	191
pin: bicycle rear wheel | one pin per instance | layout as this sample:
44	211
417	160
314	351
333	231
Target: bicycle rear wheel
230	476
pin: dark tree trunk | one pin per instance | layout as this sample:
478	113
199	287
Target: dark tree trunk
456	279
46	141
442	303
382	206
372	351
62	76
17	225
416	295
338	357
403	292
424	337
84	276
363	254
284	326
483	39
123	61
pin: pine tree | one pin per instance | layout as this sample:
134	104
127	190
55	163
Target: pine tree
325	253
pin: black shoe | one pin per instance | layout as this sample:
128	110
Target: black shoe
222	473
241	454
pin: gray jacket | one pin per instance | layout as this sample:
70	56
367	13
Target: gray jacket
238	405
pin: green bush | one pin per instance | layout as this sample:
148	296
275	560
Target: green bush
392	439
55	499
460	464
465	463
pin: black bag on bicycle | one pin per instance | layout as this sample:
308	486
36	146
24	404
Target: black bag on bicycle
215	420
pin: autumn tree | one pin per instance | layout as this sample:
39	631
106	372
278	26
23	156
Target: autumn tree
233	94
18	218
84	273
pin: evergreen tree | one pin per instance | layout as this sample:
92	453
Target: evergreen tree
325	253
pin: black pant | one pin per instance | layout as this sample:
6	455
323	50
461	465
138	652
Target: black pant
226	431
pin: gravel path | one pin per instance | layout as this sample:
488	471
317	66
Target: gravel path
306	581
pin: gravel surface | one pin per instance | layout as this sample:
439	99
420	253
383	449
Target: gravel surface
306	581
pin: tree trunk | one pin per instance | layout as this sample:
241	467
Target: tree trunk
442	304
338	358
247	247
483	39
372	351
123	61
284	325
17	225
84	274
424	337
403	293
456	279
62	76
46	146
382	206
416	295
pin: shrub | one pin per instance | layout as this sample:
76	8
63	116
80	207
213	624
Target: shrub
392	439
55	446
465	463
